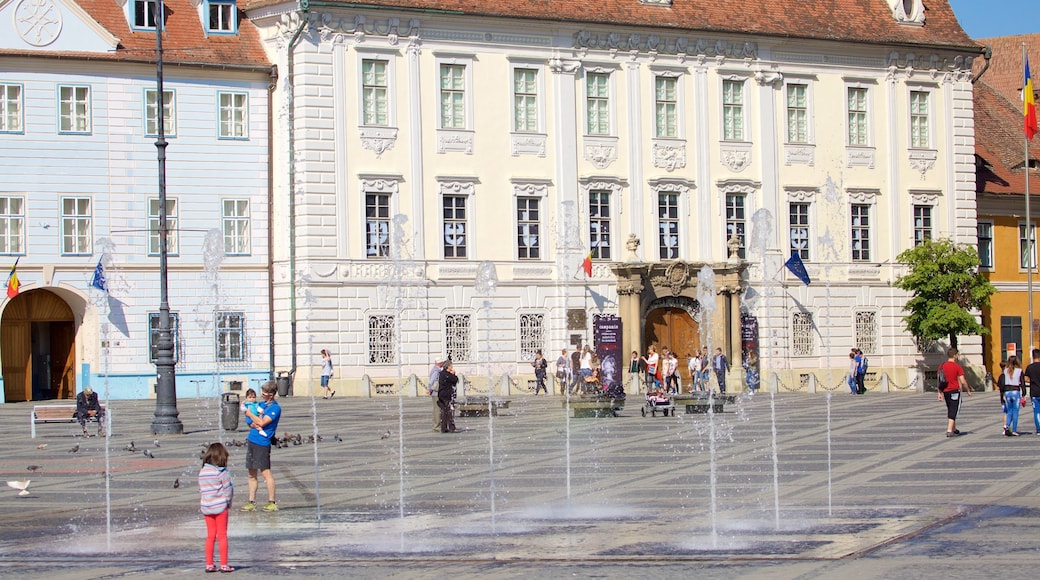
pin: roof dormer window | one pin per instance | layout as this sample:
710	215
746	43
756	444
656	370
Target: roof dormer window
907	11
220	16
143	14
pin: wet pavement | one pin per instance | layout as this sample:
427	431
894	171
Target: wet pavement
882	493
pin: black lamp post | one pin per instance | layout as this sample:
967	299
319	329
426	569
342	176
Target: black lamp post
166	421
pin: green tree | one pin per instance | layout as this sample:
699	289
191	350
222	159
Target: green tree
946	285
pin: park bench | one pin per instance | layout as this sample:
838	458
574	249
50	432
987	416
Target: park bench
699	403
60	414
478	406
594	406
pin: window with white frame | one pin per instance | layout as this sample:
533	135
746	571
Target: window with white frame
222	16
10	108
525	100
597	103
73	109
457	337
1026	246
532	335
151	117
599	224
76	226
668	225
172	247
377	225
528	228
234	115
985	235
797	113
866	326
919	134
12	224
858	116
375	92
802	334
666	106
234	215
382	332
922	224
153	335
798	222
736	221
231	336
453	96
860	234
144	12
733	110
455	226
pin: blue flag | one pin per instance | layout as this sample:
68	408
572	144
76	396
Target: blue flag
797	267
99	281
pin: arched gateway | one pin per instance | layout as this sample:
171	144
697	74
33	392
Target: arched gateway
38	347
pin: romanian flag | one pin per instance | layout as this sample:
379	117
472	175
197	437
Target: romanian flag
12	281
587	265
1027	96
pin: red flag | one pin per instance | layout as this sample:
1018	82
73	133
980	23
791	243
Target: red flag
587	265
12	280
1030	104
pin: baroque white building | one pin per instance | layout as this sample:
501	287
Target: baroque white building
443	168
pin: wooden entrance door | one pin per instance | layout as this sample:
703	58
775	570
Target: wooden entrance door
42	317
676	329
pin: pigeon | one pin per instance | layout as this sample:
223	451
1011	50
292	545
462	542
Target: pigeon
75	448
21	486
41	446
337	437
33	468
386	435
156	443
148	454
176	483
131	448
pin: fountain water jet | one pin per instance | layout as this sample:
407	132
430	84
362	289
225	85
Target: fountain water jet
486	283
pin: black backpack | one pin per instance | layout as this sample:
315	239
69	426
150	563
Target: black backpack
942	380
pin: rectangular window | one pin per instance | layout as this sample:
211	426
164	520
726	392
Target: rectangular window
171	227
153	336
985	235
736	224
1026	247
75	226
12	224
922	224
10	108
231	336
797	114
234	115
151	118
455	226
599	224
527	228
222	16
235	217
867	332
525	100
919	138
457	334
597	103
375	102
144	13
798	216
802	334
1010	333
857	107
381	339
453	96
668	225
733	110
74	109
860	232
666	97
377	225
532	335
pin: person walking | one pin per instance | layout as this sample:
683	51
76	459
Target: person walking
1032	379
1012	396
651	361
562	368
326	374
861	372
693	364
262	427
951	384
217	490
671	369
431	389
851	378
721	365
540	365
585	368
576	378
446	397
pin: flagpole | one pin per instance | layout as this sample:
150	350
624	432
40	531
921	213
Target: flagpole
1030	234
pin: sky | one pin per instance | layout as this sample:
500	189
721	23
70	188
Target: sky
989	18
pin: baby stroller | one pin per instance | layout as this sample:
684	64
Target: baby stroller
658	401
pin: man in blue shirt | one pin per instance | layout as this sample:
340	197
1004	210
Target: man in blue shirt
263	424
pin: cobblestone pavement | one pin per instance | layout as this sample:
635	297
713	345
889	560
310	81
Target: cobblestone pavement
881	493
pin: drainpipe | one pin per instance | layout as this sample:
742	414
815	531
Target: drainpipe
291	95
987	53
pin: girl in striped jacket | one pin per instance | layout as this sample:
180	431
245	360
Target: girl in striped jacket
217	491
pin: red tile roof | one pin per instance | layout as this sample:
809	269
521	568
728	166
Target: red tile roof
864	21
185	41
1000	144
1006	71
